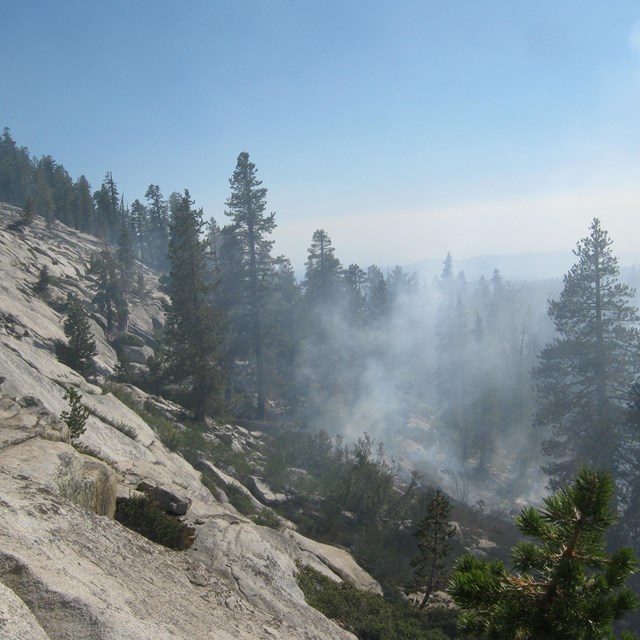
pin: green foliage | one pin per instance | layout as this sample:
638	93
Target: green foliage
240	500
565	586
268	518
192	333
41	286
143	516
52	190
157	236
369	616
80	349
110	296
76	417
26	218
107	203
125	372
323	269
16	170
434	535
119	425
188	439
127	340
125	429
585	374
249	254
126	258
84	211
347	495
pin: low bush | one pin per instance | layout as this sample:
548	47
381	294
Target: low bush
119	425
371	617
142	515
268	518
240	500
127	340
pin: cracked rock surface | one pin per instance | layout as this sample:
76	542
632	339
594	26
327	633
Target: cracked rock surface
68	571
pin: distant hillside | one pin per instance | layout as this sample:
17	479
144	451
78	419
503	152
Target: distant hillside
522	266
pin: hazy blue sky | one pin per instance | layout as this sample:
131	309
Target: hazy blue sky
406	129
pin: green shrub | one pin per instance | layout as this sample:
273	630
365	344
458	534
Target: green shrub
127	340
142	515
240	500
76	417
80	348
369	616
125	429
41	286
268	518
119	425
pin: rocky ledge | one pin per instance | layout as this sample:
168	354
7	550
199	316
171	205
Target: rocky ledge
68	570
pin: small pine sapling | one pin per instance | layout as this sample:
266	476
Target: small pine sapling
76	417
41	285
80	349
27	216
434	534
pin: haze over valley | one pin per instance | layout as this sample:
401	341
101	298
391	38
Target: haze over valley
319	321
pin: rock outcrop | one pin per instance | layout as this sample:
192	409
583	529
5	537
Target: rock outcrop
67	569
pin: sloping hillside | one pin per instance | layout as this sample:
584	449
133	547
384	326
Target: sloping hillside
67	568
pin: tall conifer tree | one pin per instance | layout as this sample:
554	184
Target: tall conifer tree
158	227
251	228
193	326
323	270
16	170
584	375
84	211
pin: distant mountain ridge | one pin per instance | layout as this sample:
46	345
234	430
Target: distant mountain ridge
521	266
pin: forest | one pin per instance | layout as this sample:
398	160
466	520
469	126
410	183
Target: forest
380	386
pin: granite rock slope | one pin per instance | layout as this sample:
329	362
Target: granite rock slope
67	569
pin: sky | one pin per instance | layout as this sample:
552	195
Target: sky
406	129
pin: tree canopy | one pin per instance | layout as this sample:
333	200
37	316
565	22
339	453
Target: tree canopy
565	585
585	374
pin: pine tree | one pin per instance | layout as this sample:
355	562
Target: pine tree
126	258
566	586
158	227
84	210
192	330
107	203
355	279
54	191
630	457
140	229
452	375
400	283
16	170
110	298
283	332
434	534
251	229
80	349
378	298
41	285
27	216
43	197
584	375
76	417
323	271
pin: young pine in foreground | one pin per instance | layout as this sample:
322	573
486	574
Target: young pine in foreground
565	587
